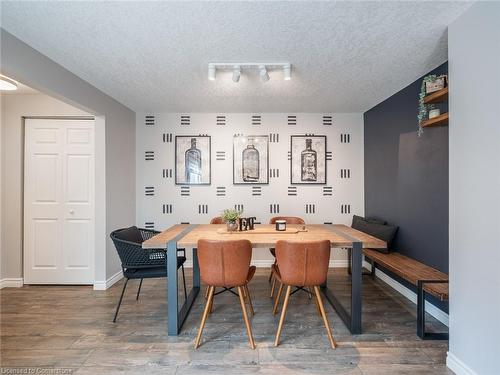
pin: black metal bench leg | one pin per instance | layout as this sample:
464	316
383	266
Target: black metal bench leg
184	282
120	302
138	291
374	268
421	315
420	310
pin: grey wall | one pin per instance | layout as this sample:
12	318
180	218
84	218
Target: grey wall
474	58
116	204
406	177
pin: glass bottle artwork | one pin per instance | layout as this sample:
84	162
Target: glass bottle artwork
309	163
250	162
193	164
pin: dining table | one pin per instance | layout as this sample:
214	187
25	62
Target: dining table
186	236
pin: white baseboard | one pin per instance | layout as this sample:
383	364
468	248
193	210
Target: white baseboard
11	282
457	366
103	285
411	295
266	263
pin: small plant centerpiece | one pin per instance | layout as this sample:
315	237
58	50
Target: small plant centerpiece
231	217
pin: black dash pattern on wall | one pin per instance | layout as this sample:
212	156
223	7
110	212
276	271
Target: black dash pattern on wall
274	137
221	191
167	137
345	173
256	191
185	120
167	208
310	208
274	172
292	120
149	155
274	208
149	120
256	119
329	155
184	222
292	191
345	208
327	190
328	222
238	207
149	190
168	173
345	138
185	191
203	209
327	120
220	155
221	120
289	155
149	225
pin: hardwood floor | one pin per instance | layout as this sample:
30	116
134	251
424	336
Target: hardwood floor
71	328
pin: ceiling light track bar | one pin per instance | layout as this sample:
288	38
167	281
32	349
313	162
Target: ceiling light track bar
261	67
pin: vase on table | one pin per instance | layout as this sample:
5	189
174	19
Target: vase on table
232	226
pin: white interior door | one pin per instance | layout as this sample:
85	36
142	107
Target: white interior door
59	201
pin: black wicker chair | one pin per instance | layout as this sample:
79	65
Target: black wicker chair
139	263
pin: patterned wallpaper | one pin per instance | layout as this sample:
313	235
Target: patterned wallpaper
161	203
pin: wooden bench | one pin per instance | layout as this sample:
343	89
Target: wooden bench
425	278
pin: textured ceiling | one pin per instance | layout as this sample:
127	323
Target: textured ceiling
153	56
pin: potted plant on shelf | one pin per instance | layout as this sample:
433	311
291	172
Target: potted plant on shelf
231	217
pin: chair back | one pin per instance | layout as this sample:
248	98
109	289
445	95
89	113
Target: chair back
224	263
217	220
303	263
128	244
288	219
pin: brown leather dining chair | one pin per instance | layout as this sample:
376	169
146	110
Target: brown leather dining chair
289	220
226	264
217	220
302	264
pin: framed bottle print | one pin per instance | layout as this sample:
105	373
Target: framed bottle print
192	160
308	159
250	159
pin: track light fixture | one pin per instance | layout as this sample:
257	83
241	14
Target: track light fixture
236	73
211	72
264	76
287	72
262	68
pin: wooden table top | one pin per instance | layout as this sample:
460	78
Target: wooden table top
339	235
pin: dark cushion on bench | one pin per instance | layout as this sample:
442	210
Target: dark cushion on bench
376	228
131	234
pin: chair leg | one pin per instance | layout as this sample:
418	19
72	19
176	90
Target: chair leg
309	292
206	292
249	298
138	291
283	314
120	301
277	301
245	317
271	275
212	302
317	306
184	283
204	317
325	319
272	287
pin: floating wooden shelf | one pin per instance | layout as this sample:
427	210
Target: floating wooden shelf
437	97
436	121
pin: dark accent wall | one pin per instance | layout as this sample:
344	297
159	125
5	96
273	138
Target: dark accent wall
406	176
